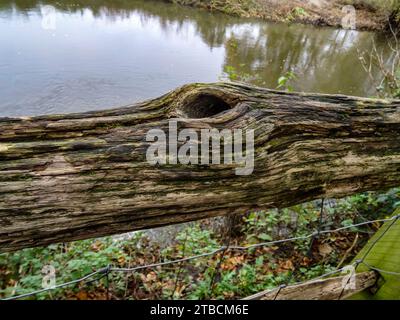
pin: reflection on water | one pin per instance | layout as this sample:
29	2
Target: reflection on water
104	53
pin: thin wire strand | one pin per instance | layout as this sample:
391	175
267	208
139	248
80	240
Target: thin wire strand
167	262
261	244
222	248
218	266
178	273
379	238
54	287
380	270
358	262
314	236
260	294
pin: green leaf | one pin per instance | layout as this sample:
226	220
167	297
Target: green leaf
264	237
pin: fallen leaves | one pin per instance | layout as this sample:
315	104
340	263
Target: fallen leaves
287	265
232	263
325	249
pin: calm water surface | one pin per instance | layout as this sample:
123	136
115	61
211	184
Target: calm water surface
70	56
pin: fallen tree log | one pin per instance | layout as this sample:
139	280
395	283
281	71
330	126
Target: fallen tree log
76	176
325	289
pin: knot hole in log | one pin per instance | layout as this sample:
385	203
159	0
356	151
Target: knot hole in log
204	105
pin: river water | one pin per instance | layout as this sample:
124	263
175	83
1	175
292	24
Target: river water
71	56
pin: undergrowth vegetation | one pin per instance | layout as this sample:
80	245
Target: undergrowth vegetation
387	6
230	274
242	8
372	15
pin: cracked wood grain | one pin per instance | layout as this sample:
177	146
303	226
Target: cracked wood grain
77	176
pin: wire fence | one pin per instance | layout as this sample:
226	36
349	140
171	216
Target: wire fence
107	270
282	286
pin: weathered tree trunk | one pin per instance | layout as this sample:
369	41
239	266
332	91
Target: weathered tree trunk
325	289
76	176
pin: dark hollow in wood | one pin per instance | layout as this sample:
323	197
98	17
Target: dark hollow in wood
83	175
204	106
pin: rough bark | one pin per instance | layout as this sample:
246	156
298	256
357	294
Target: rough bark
327	289
76	176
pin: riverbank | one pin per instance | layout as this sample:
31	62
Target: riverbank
372	17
